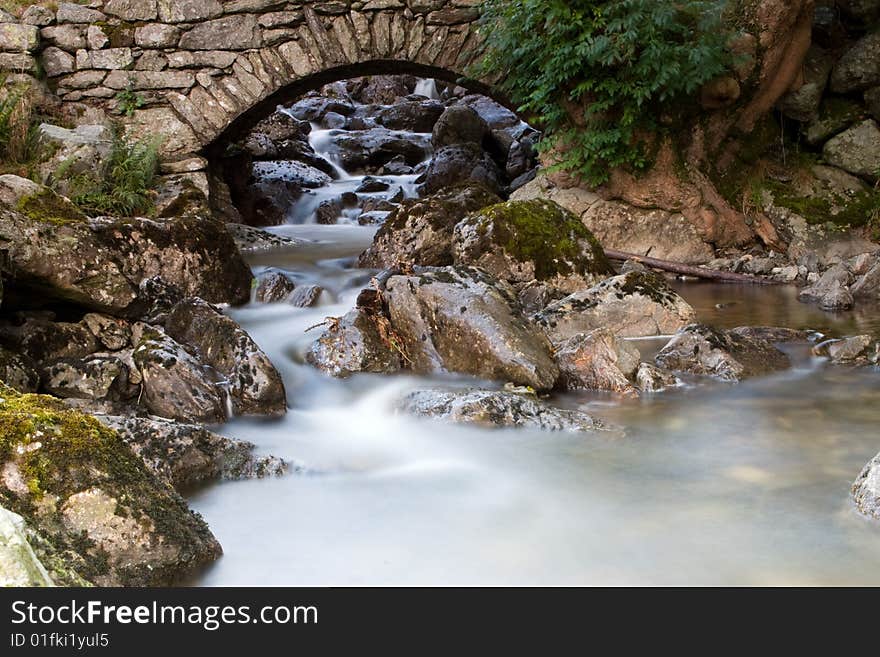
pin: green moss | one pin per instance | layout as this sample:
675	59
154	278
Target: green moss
862	209
46	206
542	232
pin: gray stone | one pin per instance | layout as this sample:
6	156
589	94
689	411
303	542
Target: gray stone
868	284
235	32
650	378
274	287
96	38
253	382
142	80
67	37
357	342
38	15
856	350
857	150
95	377
69	12
866	489
132	10
156	35
725	355
253	240
631	305
187	11
598	360
18	371
305	296
859	67
803	104
57	62
488	408
110	59
18	38
459	319
19	564
200	58
459	124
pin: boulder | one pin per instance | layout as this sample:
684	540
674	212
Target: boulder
19	564
460	319
18	371
186	455
251	240
855	350
412	116
859	67
290	171
94	506
802	104
358	342
42	341
488	408
631	305
253	382
772	333
867	286
176	385
522	241
459	124
598	360
369	150
305	296
831	291
460	163
95	377
856	150
112	333
866	489
650	378
55	251
274	287
726	355
420	231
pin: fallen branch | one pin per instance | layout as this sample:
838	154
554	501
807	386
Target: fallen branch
689	270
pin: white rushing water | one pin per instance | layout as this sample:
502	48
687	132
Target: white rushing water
708	484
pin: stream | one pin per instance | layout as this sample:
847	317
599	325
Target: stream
706	484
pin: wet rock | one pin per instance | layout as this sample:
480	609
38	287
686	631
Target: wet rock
305	296
55	251
866	489
597	360
772	333
522	241
290	171
358	342
856	150
274	287
631	305
19	564
726	355
251	240
459	124
459	319
859	67
313	109
112	333
420	231
489	408
281	126
831	291
381	89
41	340
412	116
253	382
328	212
18	371
650	378
856	350
94	377
868	284
371	184
185	455
370	150
460	163
96	511
176	385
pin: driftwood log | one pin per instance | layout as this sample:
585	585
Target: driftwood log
689	270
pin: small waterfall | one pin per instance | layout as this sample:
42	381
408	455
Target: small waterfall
427	87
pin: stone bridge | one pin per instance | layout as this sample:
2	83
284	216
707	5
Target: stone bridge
201	71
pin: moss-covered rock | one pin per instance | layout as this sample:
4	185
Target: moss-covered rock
101	264
95	507
521	241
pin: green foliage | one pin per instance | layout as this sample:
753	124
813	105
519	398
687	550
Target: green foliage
127	101
123	186
598	74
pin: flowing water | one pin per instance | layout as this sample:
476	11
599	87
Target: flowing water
705	484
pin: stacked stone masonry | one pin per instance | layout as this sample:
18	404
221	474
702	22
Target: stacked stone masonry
197	66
